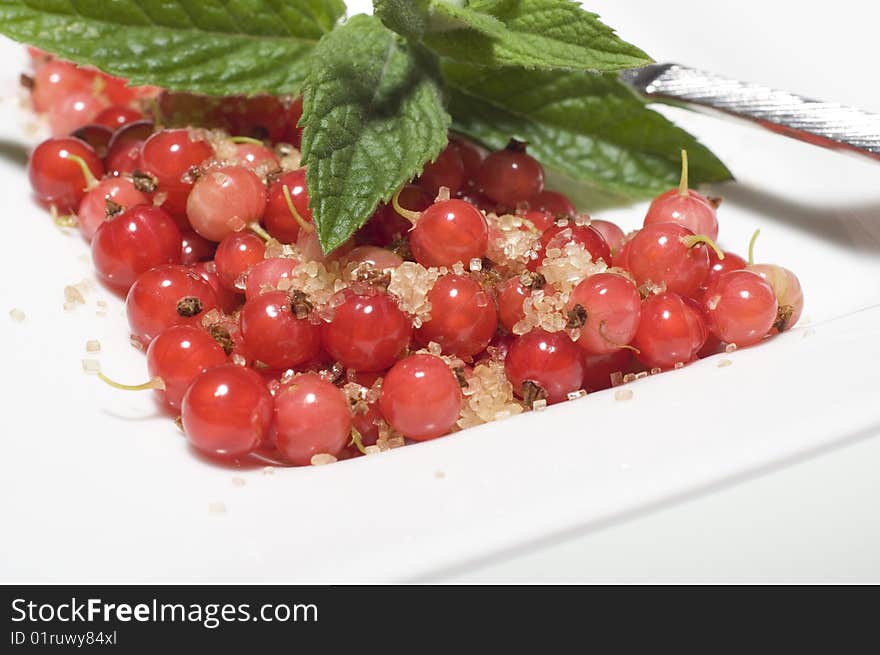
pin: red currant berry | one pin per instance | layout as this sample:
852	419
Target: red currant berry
612	234
511	294
420	397
171	156
463	316
605	308
668	253
74	111
472	157
227	411
789	295
266	275
228	301
177	356
277	330
235	256
118	116
278	219
97	136
544	365
741	307
510	176
224	201
381	259
293	133
368	332
132	243
61	170
56	80
165	296
671	331
446	171
554	203
684	207
124	150
559	236
311	418
256	155
387	226
94	207
717	266
195	248
447	232
542	220
598	369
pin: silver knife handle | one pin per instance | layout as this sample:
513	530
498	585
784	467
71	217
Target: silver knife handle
825	124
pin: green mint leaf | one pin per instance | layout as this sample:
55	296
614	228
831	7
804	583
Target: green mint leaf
214	47
585	128
545	34
372	116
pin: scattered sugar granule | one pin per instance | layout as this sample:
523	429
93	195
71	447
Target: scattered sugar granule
574	395
513	241
268	470
372	450
410	284
539	405
616	378
809	332
135	343
73	296
16	315
217	507
93	346
488	396
543	310
91	365
623	394
724	362
439	475
729	348
678	365
321	459
475	265
238	482
566	267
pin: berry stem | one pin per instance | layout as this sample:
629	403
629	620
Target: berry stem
411	216
303	224
61	220
683	180
91	182
696	239
614	343
245	139
154	383
752	246
357	441
257	229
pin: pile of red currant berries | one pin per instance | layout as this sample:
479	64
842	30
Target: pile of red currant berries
473	295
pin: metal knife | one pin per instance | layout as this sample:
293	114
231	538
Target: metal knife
825	124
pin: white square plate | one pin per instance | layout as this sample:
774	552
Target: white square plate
96	485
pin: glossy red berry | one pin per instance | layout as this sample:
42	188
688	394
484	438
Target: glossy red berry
312	417
55	80
381	259
472	157
463	316
227	411
511	294
124	150
171	156
447	232
195	248
717	266
277	330
560	235
446	171
178	355
598	369
165	296
97	136
671	331
605	309
554	203
255	155
420	397
224	201
93	208
74	111
685	207
670	254
235	257
227	300
544	365
541	220
59	170
741	307
278	220
368	332
510	176
612	234
387	226
789	295
133	242
118	116
267	275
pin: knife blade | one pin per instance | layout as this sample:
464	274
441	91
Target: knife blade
825	124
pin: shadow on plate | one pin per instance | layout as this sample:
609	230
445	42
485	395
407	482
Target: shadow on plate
13	152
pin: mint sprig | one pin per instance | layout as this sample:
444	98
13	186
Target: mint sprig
376	92
372	116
